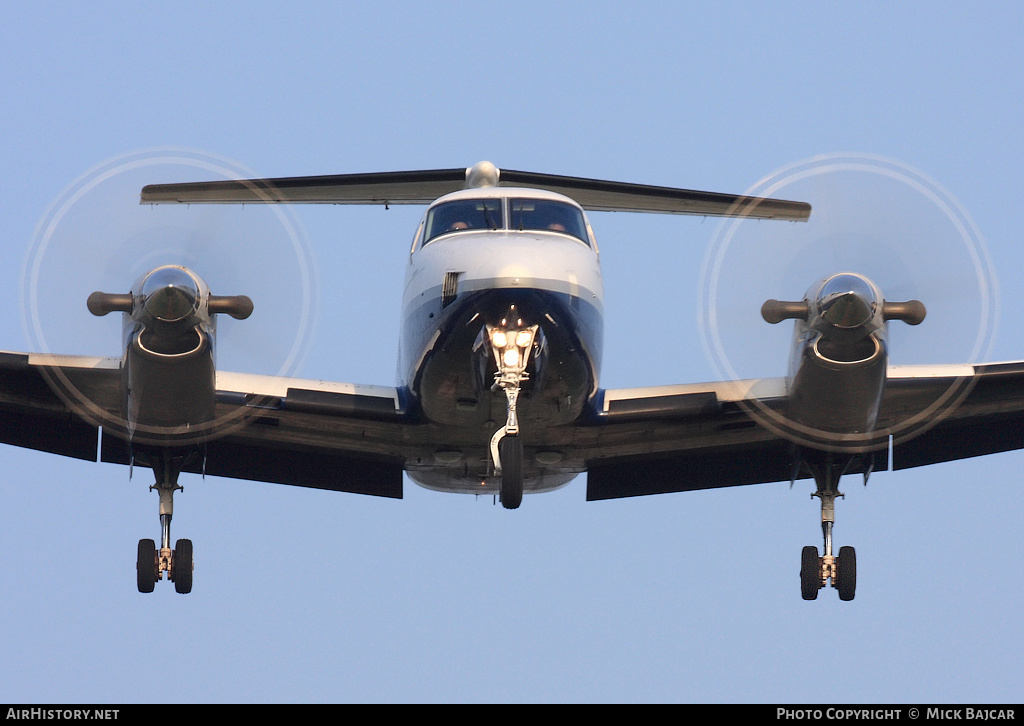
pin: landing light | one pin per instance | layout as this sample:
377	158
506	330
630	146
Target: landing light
512	347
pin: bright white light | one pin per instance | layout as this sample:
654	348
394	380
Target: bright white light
524	338
499	339
511	357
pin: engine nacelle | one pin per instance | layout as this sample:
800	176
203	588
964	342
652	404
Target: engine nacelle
169	370
839	357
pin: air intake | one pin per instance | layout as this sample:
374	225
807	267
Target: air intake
450	289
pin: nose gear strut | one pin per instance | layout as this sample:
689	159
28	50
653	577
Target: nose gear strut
511	348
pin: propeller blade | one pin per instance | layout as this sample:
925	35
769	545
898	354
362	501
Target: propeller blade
872	217
97	237
911	312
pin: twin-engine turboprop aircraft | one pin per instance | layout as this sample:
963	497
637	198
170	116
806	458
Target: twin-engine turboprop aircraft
499	388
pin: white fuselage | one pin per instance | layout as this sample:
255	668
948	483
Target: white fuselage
460	280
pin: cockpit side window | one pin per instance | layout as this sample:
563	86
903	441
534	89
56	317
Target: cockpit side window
547	215
464	214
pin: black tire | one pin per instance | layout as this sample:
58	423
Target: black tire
510	449
846	573
182	574
145	565
810	573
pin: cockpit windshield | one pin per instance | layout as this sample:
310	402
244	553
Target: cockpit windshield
464	214
547	215
524	214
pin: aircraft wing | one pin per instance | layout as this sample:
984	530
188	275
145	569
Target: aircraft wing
360	439
309	433
682	438
33	416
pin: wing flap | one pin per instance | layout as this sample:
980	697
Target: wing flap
682	438
54	432
32	416
759	462
755	462
989	420
251	459
304	432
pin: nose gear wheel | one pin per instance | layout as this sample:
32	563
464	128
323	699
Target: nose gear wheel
511	457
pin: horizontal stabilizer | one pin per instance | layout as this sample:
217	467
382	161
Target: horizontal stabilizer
423	187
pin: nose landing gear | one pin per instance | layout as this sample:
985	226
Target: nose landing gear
511	347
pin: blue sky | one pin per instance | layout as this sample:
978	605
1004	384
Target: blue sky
316	596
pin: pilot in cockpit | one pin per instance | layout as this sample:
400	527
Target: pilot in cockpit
543	216
467	214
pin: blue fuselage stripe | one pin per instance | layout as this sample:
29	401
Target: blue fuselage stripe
438	360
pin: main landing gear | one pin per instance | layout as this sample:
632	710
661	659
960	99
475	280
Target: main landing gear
152	563
815	571
511	344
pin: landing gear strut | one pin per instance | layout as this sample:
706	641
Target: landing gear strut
152	562
511	349
815	571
